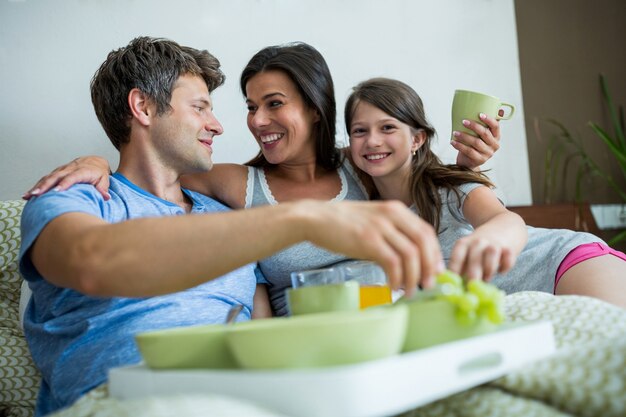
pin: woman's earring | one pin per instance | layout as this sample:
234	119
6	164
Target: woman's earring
414	152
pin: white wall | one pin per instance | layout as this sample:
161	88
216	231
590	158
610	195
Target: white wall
50	49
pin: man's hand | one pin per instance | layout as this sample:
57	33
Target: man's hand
385	232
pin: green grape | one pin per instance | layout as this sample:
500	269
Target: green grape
495	314
480	288
449	277
466	318
490	300
449	289
451	297
468	302
472	300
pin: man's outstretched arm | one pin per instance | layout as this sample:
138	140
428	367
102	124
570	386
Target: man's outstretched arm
151	256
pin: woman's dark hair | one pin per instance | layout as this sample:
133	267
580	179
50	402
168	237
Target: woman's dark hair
308	70
428	173
153	65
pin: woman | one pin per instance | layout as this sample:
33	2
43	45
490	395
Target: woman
291	114
390	140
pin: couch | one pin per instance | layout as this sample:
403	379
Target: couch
586	377
19	379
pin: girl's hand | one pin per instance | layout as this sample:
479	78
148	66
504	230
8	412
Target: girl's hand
475	151
475	257
498	238
87	169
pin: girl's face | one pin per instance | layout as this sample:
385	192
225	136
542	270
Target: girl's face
380	144
280	121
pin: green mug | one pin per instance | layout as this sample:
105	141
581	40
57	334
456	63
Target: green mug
324	298
467	105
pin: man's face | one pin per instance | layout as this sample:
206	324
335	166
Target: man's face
183	136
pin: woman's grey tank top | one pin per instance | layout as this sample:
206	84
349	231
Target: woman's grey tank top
277	268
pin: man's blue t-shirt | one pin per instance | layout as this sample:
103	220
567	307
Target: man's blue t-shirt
75	339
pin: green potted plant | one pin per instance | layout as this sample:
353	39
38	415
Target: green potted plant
566	152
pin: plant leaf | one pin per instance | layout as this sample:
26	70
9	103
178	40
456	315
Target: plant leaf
619	131
619	238
619	154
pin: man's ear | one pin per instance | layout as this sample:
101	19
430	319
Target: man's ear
419	138
139	106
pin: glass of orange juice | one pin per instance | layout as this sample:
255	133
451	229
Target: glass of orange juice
372	280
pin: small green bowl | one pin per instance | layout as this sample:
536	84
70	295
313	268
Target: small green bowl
323	298
319	340
202	346
432	322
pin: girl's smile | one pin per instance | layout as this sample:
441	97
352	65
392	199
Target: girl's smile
380	145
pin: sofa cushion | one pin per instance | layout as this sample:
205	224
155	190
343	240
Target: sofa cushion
19	379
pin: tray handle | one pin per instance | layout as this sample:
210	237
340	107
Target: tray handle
480	363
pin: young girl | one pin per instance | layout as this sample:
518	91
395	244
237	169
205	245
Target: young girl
480	239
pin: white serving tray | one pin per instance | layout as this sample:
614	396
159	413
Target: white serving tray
372	389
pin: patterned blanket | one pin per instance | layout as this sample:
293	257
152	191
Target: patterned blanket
586	377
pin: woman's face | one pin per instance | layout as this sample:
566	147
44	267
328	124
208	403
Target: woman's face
380	144
278	118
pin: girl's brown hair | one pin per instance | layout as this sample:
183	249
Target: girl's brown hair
428	173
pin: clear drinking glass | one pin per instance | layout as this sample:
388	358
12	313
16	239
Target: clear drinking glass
321	290
373	283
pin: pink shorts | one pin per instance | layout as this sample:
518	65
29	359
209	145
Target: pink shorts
582	253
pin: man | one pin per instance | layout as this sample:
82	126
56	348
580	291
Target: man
101	271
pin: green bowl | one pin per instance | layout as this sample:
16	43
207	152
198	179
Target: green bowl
187	347
432	322
323	298
319	340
